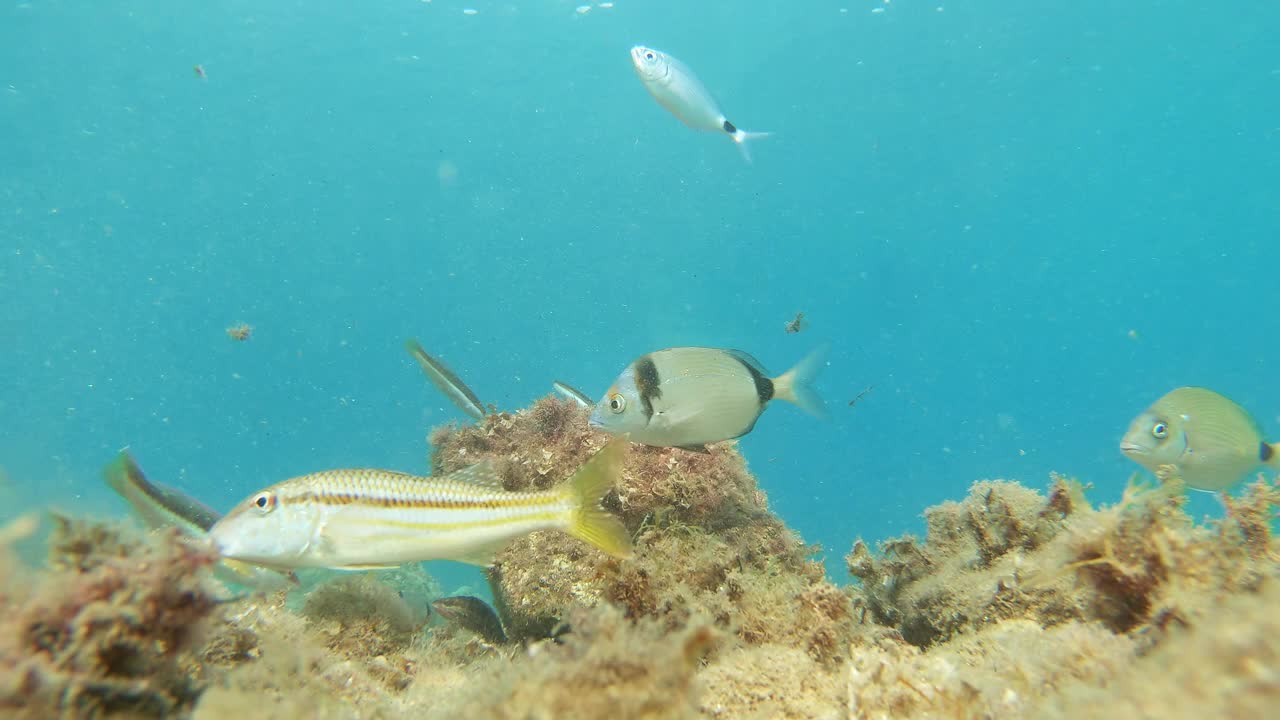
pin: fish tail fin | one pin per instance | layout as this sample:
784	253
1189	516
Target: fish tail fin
742	137
589	521
796	385
1271	454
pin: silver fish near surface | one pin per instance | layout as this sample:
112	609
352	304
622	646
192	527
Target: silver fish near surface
572	393
679	90
159	506
363	519
1200	436
447	381
690	396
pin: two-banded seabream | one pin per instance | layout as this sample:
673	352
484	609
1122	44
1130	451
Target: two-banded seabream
1200	436
690	396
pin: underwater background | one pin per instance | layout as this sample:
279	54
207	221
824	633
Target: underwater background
1021	223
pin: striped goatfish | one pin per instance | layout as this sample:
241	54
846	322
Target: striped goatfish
159	506
447	381
689	396
365	519
677	89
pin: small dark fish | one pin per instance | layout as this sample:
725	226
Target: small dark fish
448	382
473	614
199	71
796	325
855	400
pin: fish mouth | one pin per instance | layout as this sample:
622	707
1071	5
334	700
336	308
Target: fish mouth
637	55
595	422
1129	448
219	543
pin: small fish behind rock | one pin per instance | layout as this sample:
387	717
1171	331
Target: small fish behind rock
159	506
690	396
1204	438
677	89
572	393
449	383
473	614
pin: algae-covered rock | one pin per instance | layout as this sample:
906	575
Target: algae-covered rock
706	543
1015	604
1007	552
115	628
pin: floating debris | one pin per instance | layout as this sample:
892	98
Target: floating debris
797	324
240	332
200	73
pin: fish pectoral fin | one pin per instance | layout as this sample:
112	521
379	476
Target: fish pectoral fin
484	555
241	568
366	566
676	417
479	559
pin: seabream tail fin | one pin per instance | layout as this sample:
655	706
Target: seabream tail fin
742	137
796	385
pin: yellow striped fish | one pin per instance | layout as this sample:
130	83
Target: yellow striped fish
159	506
363	519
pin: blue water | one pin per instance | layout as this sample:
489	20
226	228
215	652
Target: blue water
1021	222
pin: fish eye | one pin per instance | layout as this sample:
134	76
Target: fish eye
649	56
617	402
1160	430
265	502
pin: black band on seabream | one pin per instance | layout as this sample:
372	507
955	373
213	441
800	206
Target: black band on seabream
764	385
1266	451
647	384
729	128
